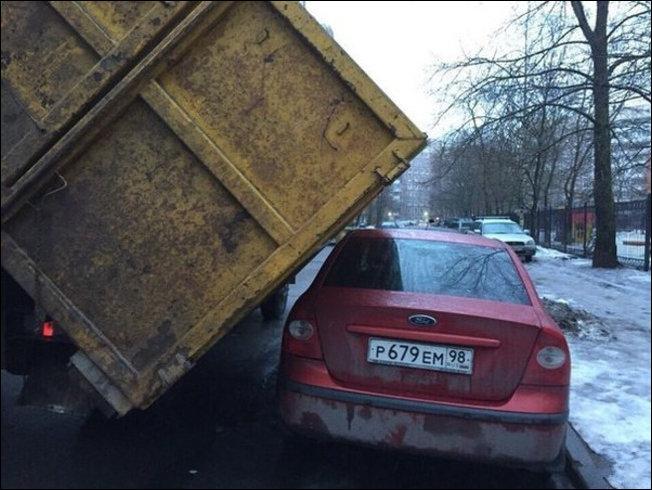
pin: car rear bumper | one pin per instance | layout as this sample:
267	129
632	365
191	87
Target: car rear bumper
534	440
524	250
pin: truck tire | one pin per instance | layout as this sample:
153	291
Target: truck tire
274	306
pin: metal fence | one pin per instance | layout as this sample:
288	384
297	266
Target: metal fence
572	231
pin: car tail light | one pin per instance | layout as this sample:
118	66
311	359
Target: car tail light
301	330
550	360
551	357
300	337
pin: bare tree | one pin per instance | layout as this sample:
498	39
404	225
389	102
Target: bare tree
567	66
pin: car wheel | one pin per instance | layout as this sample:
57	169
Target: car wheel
528	258
274	306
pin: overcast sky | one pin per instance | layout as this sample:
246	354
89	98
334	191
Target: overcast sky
397	42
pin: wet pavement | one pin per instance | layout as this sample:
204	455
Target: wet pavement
217	428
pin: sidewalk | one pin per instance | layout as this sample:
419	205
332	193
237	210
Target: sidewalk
610	349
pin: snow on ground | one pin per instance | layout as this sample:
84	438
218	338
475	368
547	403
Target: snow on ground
549	253
610	390
629	245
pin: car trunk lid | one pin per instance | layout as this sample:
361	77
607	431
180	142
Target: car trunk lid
501	335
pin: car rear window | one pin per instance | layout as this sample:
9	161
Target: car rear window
430	267
502	228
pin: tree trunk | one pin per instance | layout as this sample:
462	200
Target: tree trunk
568	230
381	203
605	239
534	219
604	254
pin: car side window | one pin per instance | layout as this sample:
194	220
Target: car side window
370	264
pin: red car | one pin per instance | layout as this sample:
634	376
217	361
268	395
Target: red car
427	341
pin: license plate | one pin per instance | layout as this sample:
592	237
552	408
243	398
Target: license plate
421	356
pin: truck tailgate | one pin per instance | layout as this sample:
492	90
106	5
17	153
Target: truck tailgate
229	143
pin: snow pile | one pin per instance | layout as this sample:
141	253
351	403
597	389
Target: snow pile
543	252
606	314
553	299
576	321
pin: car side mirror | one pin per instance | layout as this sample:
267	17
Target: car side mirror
527	232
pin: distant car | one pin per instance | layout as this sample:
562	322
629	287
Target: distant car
427	341
389	224
461	225
406	223
507	231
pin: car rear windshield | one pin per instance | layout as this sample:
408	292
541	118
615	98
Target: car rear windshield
502	228
430	267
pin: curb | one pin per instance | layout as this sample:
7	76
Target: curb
585	467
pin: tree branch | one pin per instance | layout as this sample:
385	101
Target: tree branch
626	59
636	90
580	15
623	21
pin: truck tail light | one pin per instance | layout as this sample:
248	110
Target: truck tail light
549	362
47	329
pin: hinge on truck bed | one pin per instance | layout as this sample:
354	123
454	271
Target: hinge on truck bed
173	371
388	178
94	375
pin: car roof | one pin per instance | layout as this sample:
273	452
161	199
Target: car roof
496	220
420	234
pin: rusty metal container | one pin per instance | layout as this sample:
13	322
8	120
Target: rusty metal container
165	165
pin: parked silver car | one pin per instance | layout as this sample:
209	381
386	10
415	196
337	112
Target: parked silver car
507	231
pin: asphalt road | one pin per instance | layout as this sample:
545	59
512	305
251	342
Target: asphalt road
217	428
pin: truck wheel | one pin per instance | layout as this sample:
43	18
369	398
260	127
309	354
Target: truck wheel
274	306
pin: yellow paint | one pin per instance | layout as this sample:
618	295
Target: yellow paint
220	163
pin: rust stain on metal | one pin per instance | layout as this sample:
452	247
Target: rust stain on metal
350	414
313	422
161	341
365	413
396	436
441	426
50	65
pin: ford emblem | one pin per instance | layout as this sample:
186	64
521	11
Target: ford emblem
422	320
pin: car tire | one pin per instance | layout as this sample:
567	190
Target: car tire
528	258
274	306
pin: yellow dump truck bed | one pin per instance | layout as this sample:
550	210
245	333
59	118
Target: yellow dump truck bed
165	165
